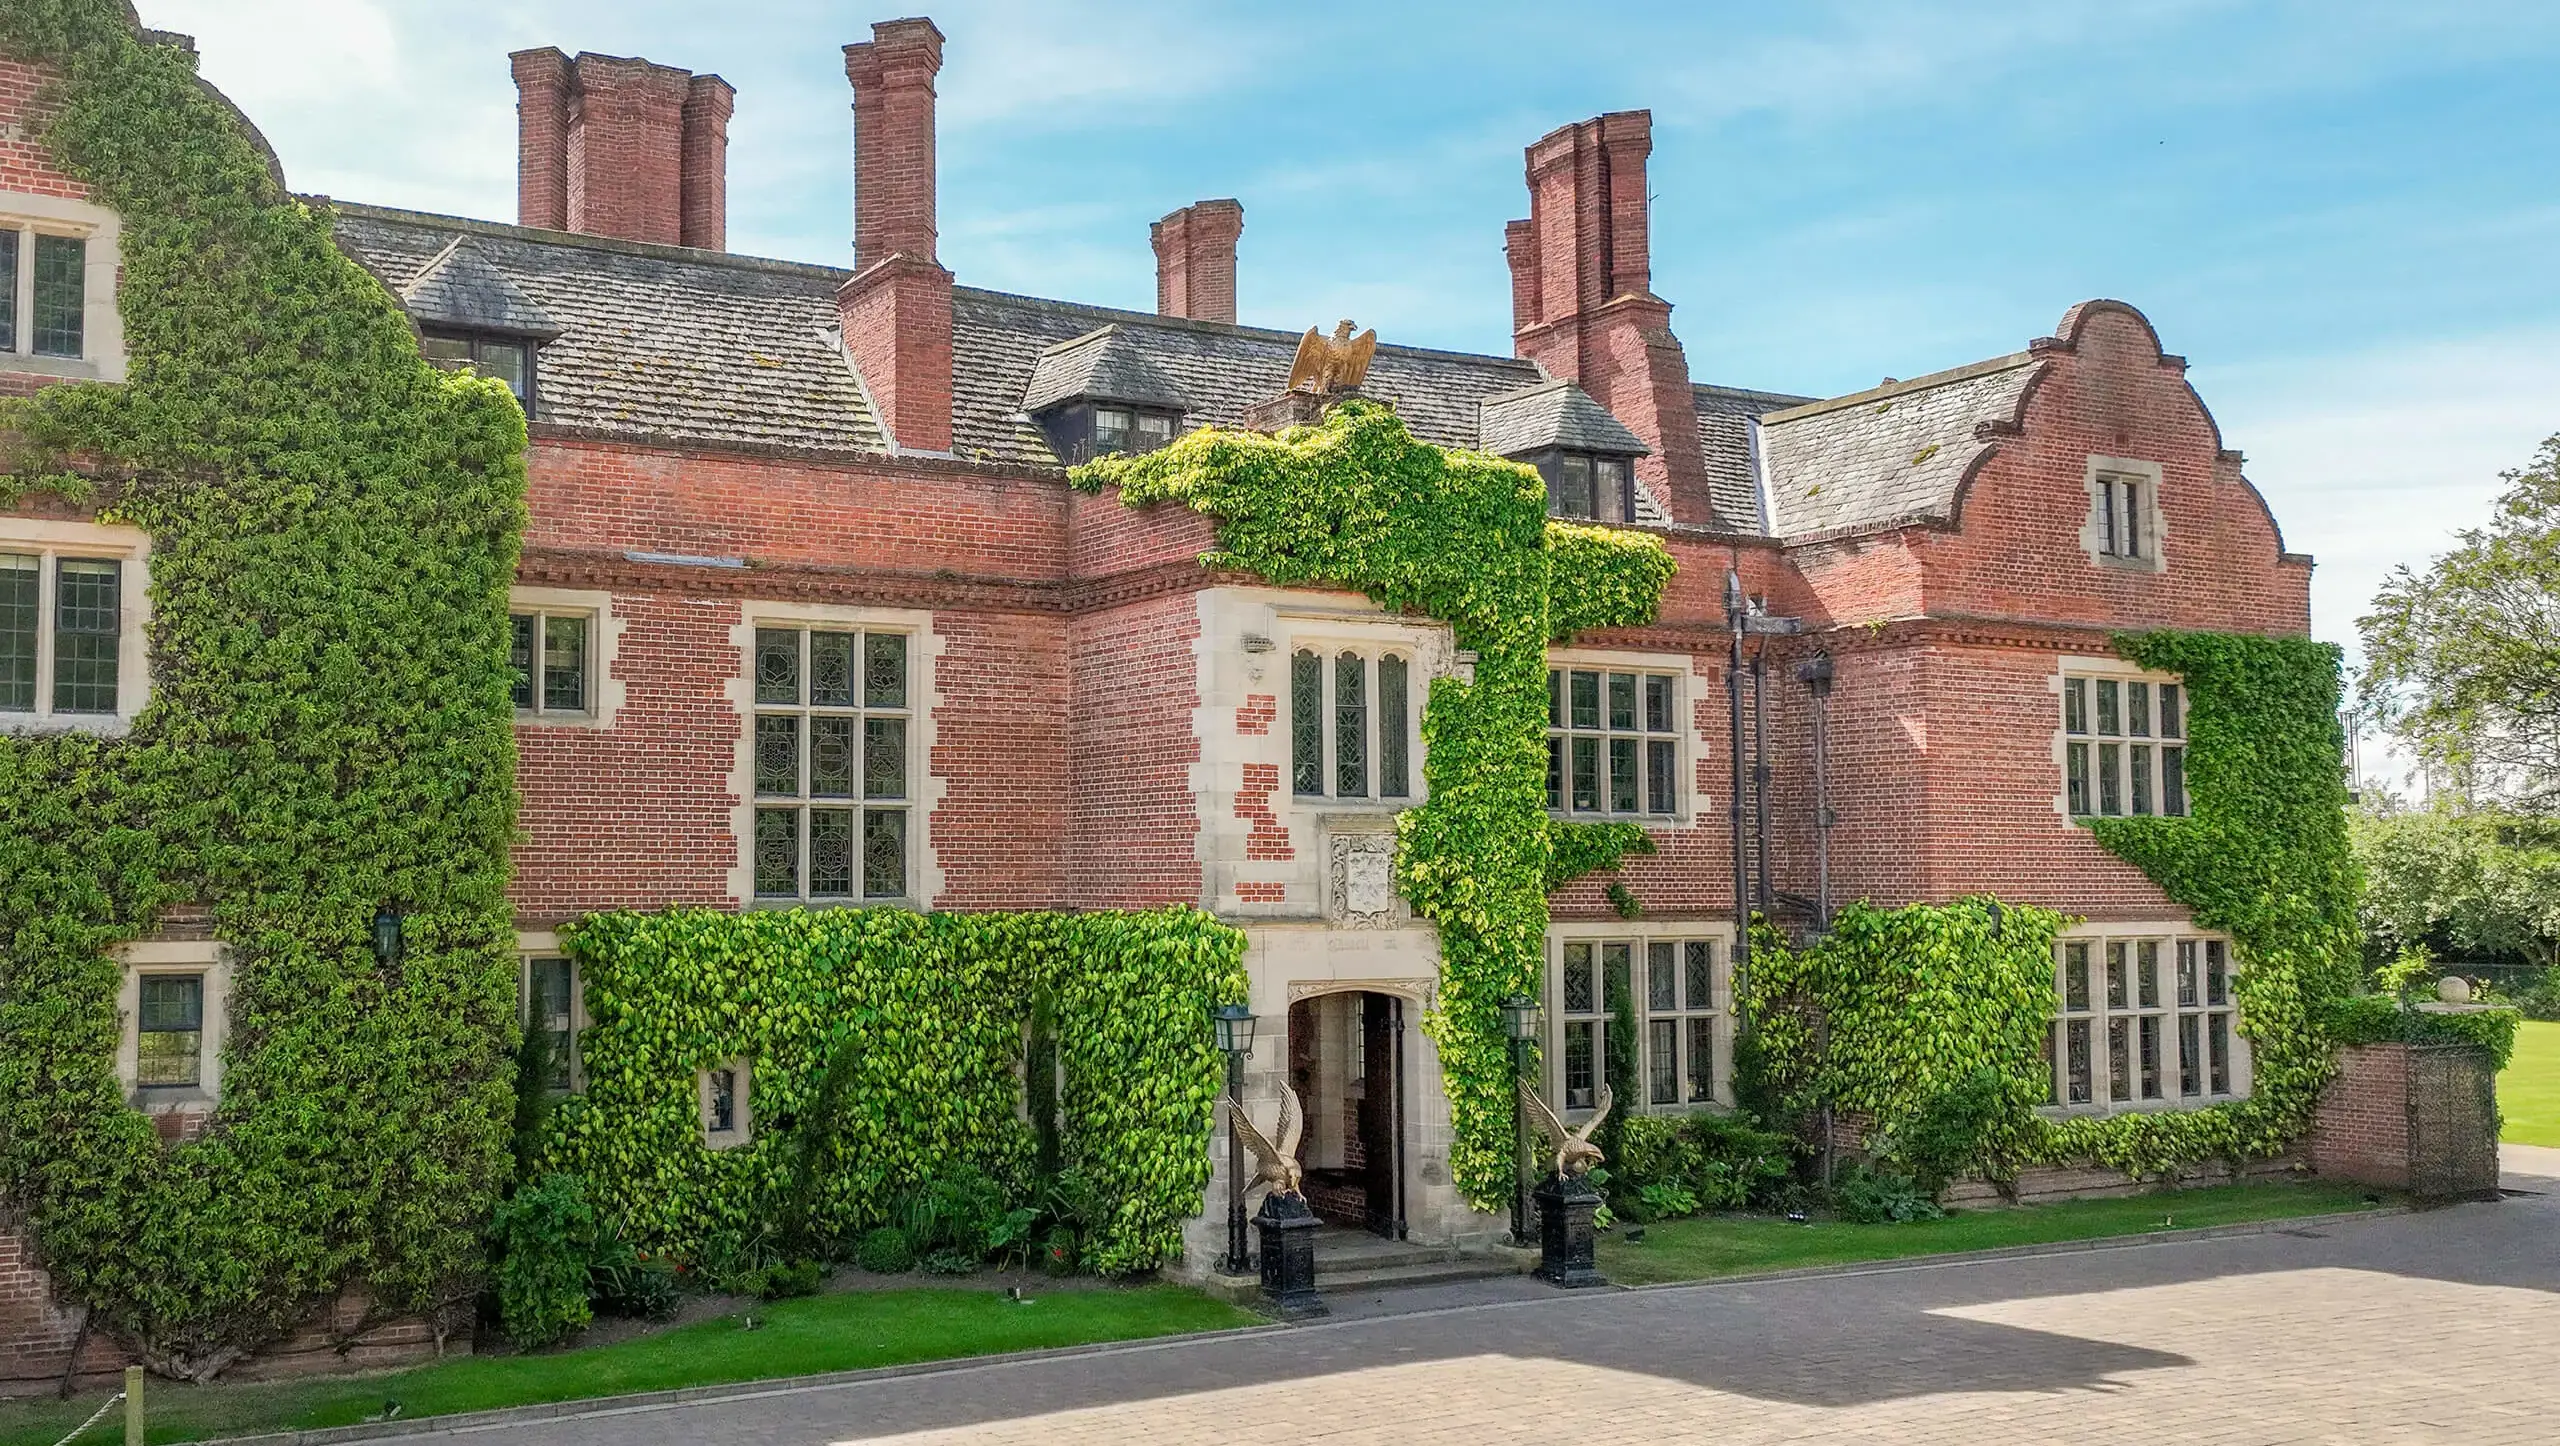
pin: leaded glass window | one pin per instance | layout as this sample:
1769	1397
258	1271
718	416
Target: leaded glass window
828	747
21	620
9	244
1671	987
1350	724
551	1008
2123	746
1613	742
509	359
169	1035
549	653
61	295
88	629
2143	1022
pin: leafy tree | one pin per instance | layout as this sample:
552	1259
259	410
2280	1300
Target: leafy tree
2470	882
2462	663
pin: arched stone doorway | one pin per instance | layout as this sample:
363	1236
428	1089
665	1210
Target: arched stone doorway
1347	1062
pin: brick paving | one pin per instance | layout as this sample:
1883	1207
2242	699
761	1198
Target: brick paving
2439	1326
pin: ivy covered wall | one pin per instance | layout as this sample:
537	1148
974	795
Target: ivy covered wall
1356	503
333	528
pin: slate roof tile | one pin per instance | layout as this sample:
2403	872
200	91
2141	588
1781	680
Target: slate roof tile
1890	454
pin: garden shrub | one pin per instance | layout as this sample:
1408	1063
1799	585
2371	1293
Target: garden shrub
884	1251
1866	1196
544	1235
1962	1128
1670	1166
2382	1019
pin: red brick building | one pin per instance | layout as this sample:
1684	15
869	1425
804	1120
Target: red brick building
807	612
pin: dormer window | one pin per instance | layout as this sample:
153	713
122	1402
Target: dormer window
507	358
1129	429
1589	487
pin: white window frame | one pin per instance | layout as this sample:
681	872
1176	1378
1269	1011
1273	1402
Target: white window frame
1687	747
605	692
741	1131
2144	763
51	541
2103	532
204	957
102	352
534	948
1417	690
2167	940
924	790
1640	937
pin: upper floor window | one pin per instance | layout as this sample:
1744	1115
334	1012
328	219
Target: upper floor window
62	622
1670	991
2122	517
829	743
1581	485
1613	743
1129	429
510	359
550	652
2124	745
1351	724
2144	1022
44	293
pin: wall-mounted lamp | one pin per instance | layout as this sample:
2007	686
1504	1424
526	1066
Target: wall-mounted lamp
388	926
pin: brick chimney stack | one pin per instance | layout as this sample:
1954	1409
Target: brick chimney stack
1582	302
612	146
1196	260
897	308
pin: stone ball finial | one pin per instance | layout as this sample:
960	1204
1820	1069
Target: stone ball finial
2454	989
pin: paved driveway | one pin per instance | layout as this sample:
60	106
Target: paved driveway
2443	1326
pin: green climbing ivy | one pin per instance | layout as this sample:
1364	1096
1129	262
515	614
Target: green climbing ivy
333	527
1357	503
937	1009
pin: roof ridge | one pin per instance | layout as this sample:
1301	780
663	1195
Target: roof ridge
474	226
1889	390
1752	394
1126	316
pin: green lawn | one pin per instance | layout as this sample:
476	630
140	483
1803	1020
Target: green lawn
848	1331
1735	1244
2529	1091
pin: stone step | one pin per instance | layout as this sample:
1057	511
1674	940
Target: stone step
1432	1272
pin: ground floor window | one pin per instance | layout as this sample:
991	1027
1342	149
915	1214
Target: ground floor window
2144	1021
550	992
1670	989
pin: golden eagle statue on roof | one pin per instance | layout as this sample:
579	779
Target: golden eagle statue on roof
1336	363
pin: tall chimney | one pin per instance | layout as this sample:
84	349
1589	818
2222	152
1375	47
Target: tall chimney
613	146
896	310
1196	260
1582	302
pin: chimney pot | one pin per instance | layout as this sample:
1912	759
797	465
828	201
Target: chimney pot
896	311
615	146
1196	260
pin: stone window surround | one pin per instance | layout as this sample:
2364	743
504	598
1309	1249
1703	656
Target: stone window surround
102	323
742	1122
2155	557
1327	645
606	692
2168	932
129	545
532	944
925	789
1689	744
177	956
2084	665
1638	932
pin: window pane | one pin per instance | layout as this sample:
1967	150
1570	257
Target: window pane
831	853
777	665
1661	777
1622	700
449	352
724	1100
520	633
1586	700
2107	516
1555	698
2131	497
2146	973
2076	1037
62	294
1662	977
8	291
2173	782
2075	978
2116	996
1153	431
564	664
1624	785
2217	973
2186	973
1617	961
2137	709
2190	1055
172	1001
884	671
1616	485
1662	1062
1702	1061
884	757
2119	1060
778	853
87	611
1350	726
506	361
1579	1041
2149	1034
2075	772
831	670
1555	773
21	610
831	754
1579	997
778	754
2218	1035
1306	723
169	1059
2075	705
1586	774
1574	496
550	1010
2110	707
2111	778
1700	957
2137	764
884	853
1657	704
2173	721
1394	729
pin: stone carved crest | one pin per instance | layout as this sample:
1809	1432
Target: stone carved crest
1363	882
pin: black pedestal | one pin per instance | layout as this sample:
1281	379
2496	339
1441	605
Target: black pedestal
1565	1240
1288	1230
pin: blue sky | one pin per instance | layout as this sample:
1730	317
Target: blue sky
2346	213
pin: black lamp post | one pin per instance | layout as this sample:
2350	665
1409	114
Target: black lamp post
1520	1022
1234	1023
387	924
